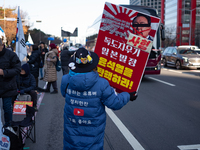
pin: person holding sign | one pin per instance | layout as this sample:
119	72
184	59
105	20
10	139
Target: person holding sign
142	26
86	95
26	83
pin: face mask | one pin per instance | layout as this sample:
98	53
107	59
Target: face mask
23	75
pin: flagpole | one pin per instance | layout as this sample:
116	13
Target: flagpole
18	33
21	50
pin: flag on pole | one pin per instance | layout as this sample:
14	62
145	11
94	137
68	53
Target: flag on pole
2	33
69	34
21	50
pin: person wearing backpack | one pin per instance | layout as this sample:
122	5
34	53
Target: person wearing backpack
50	73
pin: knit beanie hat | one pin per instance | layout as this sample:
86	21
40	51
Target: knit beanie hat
26	68
83	61
35	47
52	45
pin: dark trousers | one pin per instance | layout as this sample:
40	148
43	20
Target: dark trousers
33	95
54	84
65	70
36	79
7	107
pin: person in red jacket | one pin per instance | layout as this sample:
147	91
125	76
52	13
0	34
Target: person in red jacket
58	48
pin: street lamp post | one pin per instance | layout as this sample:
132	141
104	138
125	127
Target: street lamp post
190	35
39	21
4	23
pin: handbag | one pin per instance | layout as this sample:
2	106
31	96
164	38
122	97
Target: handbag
4	142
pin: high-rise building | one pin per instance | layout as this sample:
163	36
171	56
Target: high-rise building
150	3
135	2
182	17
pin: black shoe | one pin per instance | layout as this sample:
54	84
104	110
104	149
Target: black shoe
41	78
40	89
35	108
47	91
54	92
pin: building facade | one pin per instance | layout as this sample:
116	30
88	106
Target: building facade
150	3
135	2
182	20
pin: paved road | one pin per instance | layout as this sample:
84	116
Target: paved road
165	116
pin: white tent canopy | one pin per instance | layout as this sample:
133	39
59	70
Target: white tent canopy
30	39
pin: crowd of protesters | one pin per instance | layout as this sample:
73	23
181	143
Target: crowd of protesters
18	78
79	68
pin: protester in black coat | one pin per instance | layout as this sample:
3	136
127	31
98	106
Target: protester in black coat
26	83
10	66
64	57
34	62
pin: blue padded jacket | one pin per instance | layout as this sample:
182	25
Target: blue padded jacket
86	96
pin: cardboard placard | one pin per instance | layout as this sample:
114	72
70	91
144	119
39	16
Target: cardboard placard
20	106
123	46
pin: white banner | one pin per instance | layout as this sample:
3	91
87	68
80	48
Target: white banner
21	50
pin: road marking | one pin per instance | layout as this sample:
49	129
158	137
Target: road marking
129	137
188	73
40	98
189	147
195	71
162	81
173	70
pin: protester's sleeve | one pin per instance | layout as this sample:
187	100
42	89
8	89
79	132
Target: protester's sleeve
32	84
15	67
33	58
64	84
70	52
18	81
113	100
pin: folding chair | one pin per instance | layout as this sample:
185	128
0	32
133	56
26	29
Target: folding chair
24	97
26	126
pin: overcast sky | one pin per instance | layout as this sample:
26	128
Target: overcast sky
68	14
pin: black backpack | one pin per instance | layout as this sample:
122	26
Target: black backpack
15	140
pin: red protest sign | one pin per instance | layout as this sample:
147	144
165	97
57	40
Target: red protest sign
124	41
20	106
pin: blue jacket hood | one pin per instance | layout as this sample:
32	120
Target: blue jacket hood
83	82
